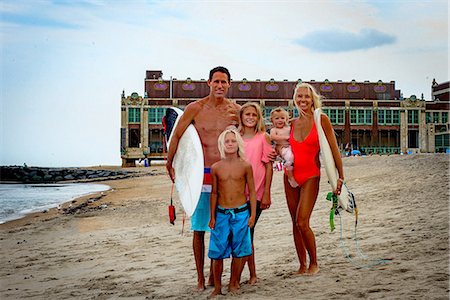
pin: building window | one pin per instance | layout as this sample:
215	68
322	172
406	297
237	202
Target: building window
413	117
427	117
442	142
435	117
381	114
336	116
340	116
134	137
266	113
360	116
388	117
155	115
134	115
445	117
395	117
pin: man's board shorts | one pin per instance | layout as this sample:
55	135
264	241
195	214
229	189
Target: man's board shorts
231	234
200	217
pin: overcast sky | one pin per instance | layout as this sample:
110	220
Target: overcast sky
65	63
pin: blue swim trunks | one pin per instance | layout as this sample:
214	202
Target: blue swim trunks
231	234
200	217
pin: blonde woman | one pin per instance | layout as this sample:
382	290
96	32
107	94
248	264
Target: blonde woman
304	142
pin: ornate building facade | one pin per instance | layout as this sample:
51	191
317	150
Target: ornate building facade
372	117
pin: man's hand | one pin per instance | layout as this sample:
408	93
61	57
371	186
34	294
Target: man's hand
212	223
170	171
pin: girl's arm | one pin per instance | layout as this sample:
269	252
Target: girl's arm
329	133
252	194
266	199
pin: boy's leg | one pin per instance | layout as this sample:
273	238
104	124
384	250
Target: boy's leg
217	271
235	271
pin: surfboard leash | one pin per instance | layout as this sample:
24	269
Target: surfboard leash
374	262
335	210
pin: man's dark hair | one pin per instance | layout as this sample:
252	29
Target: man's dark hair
221	70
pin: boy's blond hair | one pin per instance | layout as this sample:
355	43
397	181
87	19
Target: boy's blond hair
279	110
260	124
221	143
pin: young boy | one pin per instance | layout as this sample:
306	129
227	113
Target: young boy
280	134
231	220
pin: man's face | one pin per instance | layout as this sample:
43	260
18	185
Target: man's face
219	85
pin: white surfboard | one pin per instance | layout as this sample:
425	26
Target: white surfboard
188	161
345	199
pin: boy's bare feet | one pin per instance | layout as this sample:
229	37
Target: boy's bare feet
211	280
200	286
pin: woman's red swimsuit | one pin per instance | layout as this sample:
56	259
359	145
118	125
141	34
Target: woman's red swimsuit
306	156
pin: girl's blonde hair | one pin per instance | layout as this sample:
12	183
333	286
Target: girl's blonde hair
279	110
260	124
221	143
317	99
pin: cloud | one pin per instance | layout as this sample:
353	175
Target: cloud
343	41
33	20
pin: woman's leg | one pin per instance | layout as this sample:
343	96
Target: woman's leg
308	197
293	200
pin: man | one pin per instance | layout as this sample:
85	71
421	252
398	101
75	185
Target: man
210	116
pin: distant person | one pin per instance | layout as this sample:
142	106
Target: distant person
231	215
210	116
305	147
258	152
279	134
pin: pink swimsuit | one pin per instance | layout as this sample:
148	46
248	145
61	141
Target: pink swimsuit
256	152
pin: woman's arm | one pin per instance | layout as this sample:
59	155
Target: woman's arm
329	133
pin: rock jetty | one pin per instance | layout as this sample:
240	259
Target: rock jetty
39	174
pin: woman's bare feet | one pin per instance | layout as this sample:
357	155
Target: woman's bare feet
302	270
234	289
252	280
215	293
313	269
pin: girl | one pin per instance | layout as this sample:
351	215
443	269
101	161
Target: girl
257	147
305	147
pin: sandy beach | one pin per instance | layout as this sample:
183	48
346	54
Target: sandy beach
129	250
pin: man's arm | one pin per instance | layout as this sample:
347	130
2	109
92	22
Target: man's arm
186	119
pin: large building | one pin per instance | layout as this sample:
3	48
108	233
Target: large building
372	117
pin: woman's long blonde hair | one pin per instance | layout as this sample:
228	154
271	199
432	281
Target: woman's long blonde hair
221	143
260	124
316	97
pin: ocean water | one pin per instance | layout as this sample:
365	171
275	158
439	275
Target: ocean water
16	200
